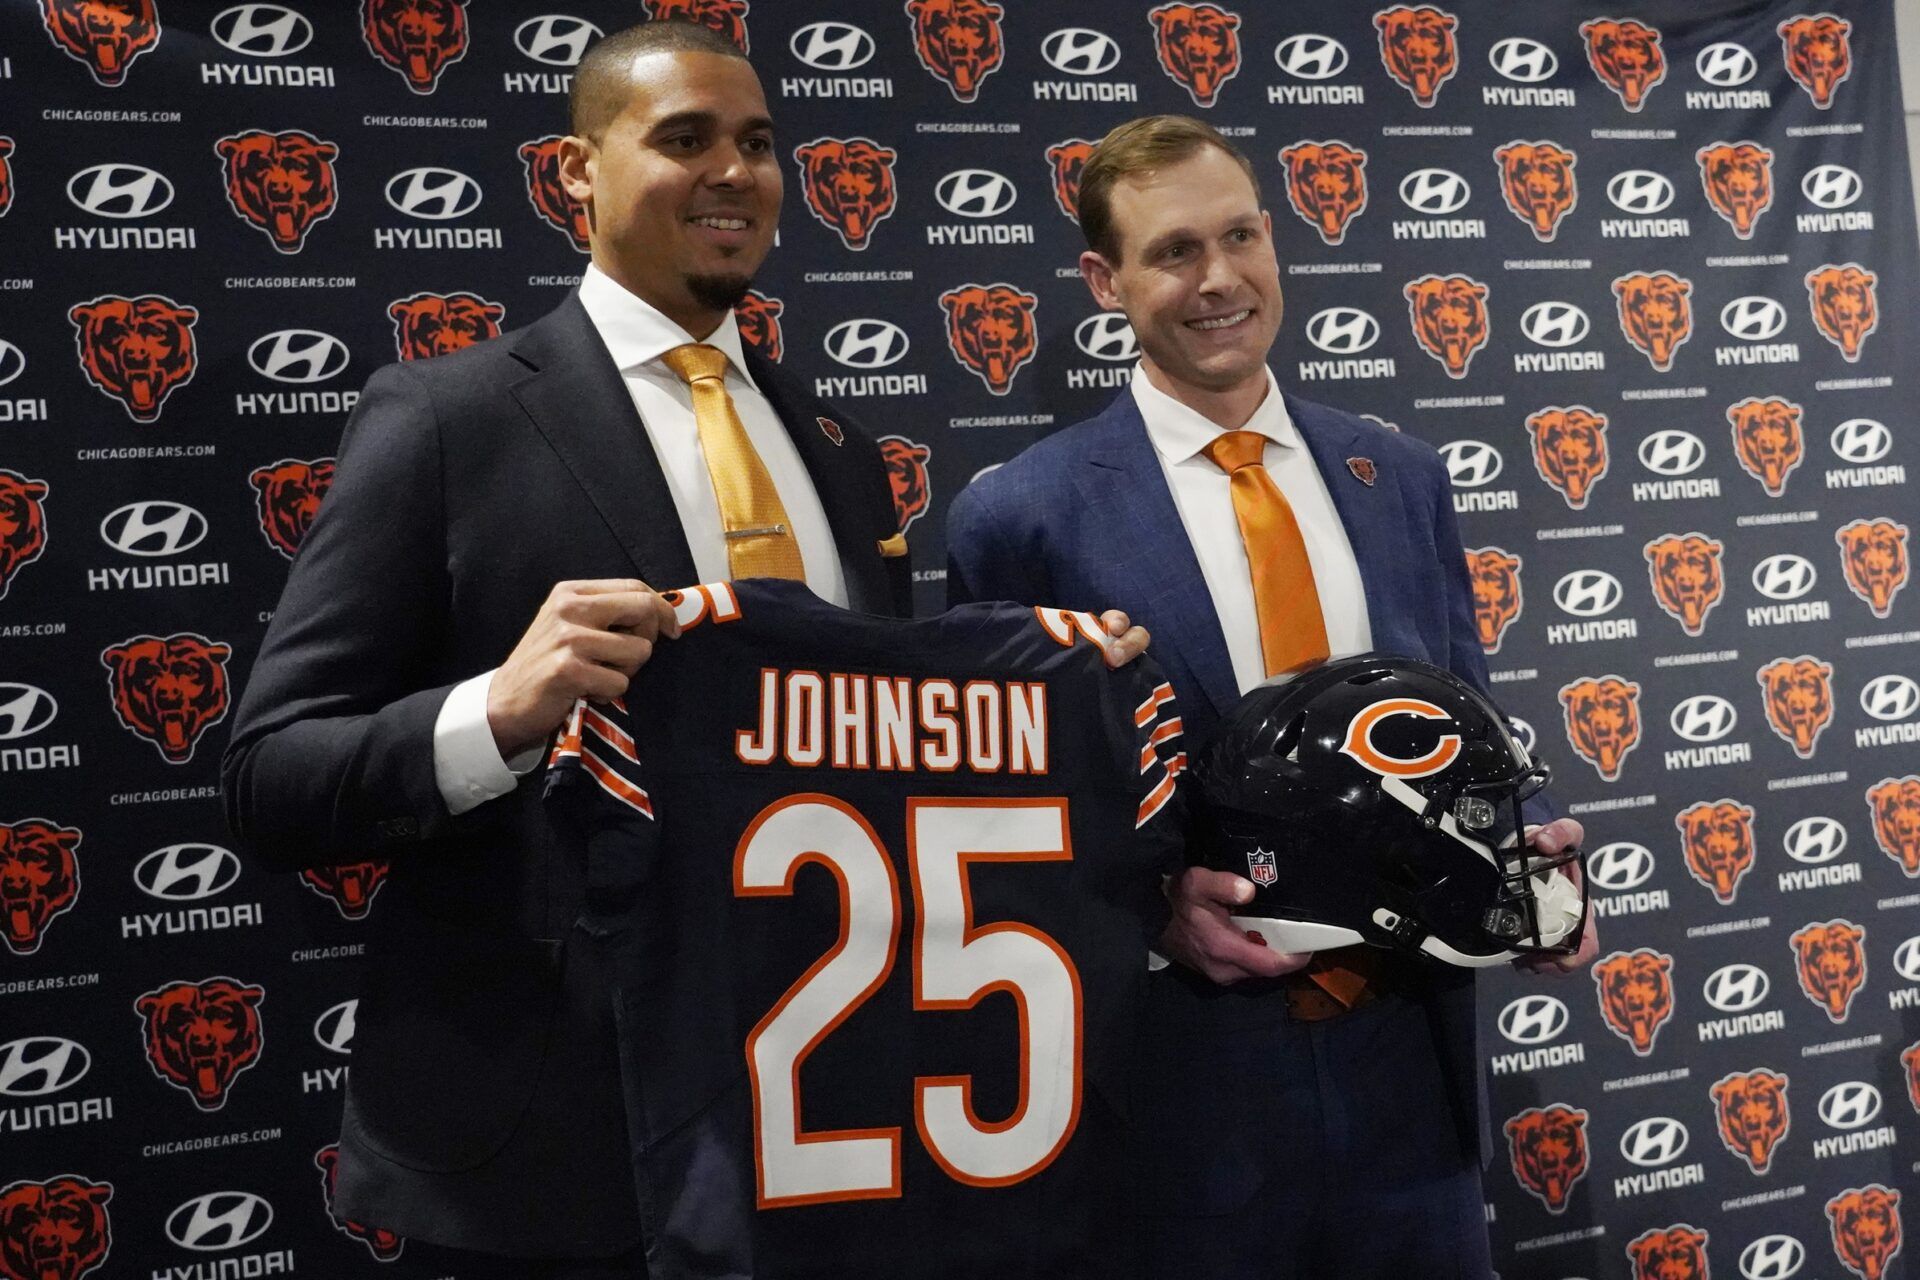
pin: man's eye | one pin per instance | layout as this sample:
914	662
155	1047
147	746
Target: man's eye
757	146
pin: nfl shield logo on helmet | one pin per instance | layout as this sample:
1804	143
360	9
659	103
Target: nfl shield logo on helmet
1260	868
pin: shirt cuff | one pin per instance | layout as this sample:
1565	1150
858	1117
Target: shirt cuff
466	764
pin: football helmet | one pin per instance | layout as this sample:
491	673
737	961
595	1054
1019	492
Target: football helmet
1377	799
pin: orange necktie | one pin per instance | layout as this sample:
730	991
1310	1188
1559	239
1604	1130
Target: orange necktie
760	540
1285	601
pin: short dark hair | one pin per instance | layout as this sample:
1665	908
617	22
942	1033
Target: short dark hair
603	79
1140	146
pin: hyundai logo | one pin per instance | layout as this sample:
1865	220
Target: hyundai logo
556	39
1639	191
1736	988
1081	52
1852	1105
1672	453
1831	186
1703	718
153	528
1311	57
1784	576
219	1220
975	193
1772	1257
1522	60
334	1028
1533	1020
1343	331
1906	959
1107	336
1620	866
1654	1141
298	355
24	710
1753	318
1890	698
1470	463
832	46
1588	593
35	1066
1522	734
119	191
1815	840
13	362
1554	324
433	194
1861	441
186	872
262	30
1725	65
1434	192
866	344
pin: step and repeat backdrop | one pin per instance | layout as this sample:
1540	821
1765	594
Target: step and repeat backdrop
1643	273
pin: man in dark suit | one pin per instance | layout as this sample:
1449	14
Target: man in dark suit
1292	1125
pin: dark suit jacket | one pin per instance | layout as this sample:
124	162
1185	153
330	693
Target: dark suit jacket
483	1108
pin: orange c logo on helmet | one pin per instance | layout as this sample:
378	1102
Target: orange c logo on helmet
419	39
1832	963
1896	822
350	886
958	41
169	690
1449	315
1654	314
546	194
1678	1252
1866	1229
1636	995
1751	1107
1548	1146
1717	838
1738	178
137	350
39	879
907	476
759	319
433	324
1068	160
1537	180
107	37
728	17
1685	571
1570	450
289	493
280	183
201	1035
1199	47
1844	306
23	524
1361	746
848	184
1603	721
1626	56
1766	440
382	1243
1495	576
57	1229
1874	555
990	331
1327	185
1799	694
1817	54
1416	46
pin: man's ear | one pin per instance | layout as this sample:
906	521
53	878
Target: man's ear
1098	273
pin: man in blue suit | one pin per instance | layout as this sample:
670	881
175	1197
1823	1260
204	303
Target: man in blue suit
1300	1116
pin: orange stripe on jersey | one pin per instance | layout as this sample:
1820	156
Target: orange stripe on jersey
566	742
616	786
1162	792
612	734
1144	713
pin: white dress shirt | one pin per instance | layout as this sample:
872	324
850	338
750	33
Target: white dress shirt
466	763
1202	494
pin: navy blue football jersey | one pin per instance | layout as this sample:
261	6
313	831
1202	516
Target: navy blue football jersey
874	897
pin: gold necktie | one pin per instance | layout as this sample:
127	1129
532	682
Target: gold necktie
760	539
1293	633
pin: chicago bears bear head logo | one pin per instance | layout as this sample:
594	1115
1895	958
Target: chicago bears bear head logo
1537	180
1570	450
1548	1146
1678	1252
1844	307
1067	160
201	1035
1873	553
1603	721
136	350
1799	694
1449	315
1495	576
382	1243
1910	1059
1685	571
23	524
728	17
1717	838
434	324
549	198
281	183
168	691
1751	1107
350	886
1626	56
289	494
990	331
1817	55
54	1230
907	475
1866	1229
1199	47
1636	995
418	39
106	35
6	176
759	319
1327	185
1416	44
39	879
848	184
958	41
1766	440
1895	803
1738	177
1654	314
1832	962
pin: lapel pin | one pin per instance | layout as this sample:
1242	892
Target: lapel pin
1363	470
831	430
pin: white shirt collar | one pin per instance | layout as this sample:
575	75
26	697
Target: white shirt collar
1179	433
637	332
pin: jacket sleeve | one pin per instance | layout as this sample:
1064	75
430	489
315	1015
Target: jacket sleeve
982	562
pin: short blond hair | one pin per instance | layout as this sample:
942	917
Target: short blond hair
1140	146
